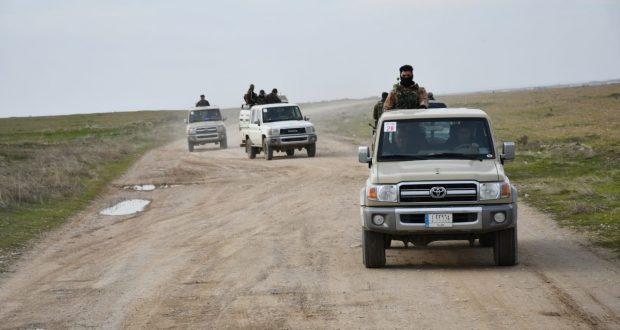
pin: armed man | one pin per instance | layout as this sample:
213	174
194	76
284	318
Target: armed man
407	94
203	102
378	110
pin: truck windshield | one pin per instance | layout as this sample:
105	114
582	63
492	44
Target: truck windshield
204	115
453	138
281	114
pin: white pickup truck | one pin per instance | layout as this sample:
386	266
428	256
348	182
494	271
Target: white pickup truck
276	127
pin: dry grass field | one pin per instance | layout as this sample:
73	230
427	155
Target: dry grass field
51	167
568	151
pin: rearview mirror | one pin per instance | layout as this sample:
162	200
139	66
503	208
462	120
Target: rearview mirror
508	152
363	154
224	119
306	118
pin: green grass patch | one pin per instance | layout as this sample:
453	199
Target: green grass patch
51	171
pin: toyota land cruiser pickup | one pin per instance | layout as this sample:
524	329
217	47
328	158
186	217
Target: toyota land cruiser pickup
276	127
205	125
435	175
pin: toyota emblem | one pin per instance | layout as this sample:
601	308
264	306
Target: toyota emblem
438	192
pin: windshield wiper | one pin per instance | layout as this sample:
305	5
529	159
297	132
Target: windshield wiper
456	155
401	157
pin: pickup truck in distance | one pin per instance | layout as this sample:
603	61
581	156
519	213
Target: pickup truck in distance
435	175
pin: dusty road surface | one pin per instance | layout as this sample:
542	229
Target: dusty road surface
239	243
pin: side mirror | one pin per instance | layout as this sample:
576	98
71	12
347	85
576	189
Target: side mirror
224	119
363	154
257	122
306	118
508	152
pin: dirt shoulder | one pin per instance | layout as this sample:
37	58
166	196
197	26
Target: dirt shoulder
237	243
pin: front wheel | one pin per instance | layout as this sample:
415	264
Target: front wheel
190	146
249	149
268	150
290	152
311	149
373	249
505	247
223	144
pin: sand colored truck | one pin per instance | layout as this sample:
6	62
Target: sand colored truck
435	175
205	125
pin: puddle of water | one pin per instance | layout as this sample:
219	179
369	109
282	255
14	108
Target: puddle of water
150	187
127	207
144	187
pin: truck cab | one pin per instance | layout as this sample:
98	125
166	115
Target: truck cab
435	174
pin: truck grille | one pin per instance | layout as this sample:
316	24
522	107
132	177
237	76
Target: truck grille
285	131
438	192
456	217
204	130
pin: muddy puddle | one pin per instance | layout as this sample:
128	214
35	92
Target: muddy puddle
126	207
149	187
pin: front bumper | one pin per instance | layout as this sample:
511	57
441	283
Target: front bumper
474	219
296	140
206	137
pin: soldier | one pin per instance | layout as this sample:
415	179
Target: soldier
378	110
273	97
250	96
261	97
407	94
203	102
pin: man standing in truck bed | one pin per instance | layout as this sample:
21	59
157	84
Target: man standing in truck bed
407	94
203	102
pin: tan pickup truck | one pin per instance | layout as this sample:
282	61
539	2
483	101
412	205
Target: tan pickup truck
435	174
205	125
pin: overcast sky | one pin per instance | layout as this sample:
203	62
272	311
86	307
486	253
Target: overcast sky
75	56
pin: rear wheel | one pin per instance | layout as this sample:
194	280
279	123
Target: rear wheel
290	152
373	249
251	151
190	146
311	149
505	247
268	150
223	144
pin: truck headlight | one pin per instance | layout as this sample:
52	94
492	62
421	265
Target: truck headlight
382	193
494	190
221	129
310	129
274	131
191	131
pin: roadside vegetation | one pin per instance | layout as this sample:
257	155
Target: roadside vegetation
568	151
52	167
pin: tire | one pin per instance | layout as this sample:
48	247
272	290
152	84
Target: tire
373	249
387	241
190	146
487	240
505	247
290	152
311	149
268	151
249	149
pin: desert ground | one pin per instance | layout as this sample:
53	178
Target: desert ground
230	242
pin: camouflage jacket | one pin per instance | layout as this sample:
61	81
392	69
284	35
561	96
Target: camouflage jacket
378	110
413	97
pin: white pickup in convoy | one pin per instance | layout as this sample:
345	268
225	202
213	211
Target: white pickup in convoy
276	127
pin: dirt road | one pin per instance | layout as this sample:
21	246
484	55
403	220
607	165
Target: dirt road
239	243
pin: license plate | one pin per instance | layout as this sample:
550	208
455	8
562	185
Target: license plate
438	220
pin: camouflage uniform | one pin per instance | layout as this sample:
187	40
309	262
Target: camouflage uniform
378	110
401	97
